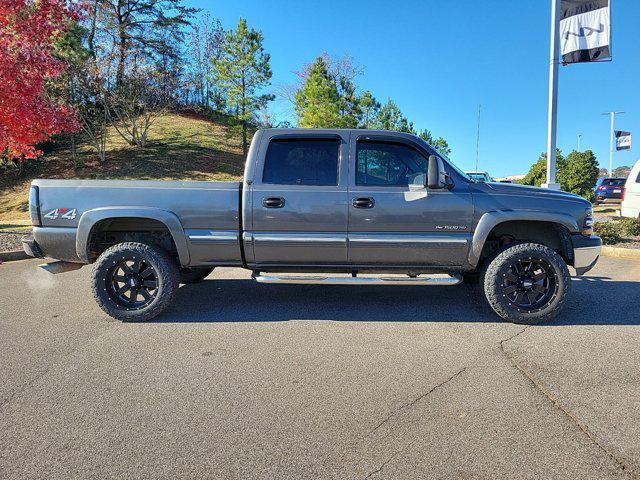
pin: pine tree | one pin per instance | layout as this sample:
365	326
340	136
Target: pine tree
440	144
389	117
318	102
369	107
242	71
151	28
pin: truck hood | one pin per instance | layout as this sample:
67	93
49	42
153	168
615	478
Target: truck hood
517	189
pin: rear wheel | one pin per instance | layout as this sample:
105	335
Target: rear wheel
134	282
195	274
526	283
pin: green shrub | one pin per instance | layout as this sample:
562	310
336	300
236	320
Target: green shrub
610	232
630	227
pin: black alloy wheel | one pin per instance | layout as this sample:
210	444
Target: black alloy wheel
529	284
133	283
526	283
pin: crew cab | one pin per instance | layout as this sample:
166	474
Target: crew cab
346	206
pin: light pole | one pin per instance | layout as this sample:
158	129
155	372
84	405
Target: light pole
478	138
579	138
553	97
611	135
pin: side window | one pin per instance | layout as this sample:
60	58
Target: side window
302	162
389	164
638	178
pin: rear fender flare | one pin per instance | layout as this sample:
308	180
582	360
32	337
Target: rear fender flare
91	217
490	219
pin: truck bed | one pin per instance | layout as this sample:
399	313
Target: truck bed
207	213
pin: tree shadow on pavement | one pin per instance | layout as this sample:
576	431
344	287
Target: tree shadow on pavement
593	301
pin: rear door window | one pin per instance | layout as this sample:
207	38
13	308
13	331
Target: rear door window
298	161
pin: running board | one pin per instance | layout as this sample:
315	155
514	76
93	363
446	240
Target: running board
450	280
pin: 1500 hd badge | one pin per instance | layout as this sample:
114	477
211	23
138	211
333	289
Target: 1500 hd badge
66	213
451	227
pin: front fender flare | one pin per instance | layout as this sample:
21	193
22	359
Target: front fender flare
169	219
490	219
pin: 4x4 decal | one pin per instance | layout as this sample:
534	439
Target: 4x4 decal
66	213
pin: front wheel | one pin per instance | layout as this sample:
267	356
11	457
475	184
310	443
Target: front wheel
526	283
134	282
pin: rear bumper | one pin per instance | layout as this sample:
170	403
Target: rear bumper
31	247
586	251
58	243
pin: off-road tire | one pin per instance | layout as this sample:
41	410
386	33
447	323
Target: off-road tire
194	275
165	269
498	266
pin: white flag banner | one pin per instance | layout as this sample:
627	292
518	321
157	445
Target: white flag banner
623	140
585	31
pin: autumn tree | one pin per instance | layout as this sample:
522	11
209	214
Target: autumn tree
28	31
242	72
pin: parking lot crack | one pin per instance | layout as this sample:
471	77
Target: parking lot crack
553	400
387	461
420	397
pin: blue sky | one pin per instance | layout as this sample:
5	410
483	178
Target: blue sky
438	59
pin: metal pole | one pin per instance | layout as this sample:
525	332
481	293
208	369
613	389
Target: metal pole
579	138
612	116
478	138
613	119
553	96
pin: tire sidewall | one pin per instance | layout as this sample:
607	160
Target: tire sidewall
165	269
496	269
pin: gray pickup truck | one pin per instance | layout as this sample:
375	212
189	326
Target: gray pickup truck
331	207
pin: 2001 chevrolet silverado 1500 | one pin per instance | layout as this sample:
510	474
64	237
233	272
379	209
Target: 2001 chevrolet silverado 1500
323	201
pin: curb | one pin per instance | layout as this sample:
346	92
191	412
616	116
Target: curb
617	252
15	255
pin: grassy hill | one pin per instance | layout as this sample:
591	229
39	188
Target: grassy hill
182	146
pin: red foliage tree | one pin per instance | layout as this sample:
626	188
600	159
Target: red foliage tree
28	29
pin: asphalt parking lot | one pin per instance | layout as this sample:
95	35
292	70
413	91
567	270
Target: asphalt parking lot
239	380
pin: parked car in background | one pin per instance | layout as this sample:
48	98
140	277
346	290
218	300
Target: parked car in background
480	176
609	189
631	198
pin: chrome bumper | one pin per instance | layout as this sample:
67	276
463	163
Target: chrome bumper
586	251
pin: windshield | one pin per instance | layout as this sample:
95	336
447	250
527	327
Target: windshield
447	160
477	177
452	165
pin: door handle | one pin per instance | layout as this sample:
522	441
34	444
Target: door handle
273	202
363	202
